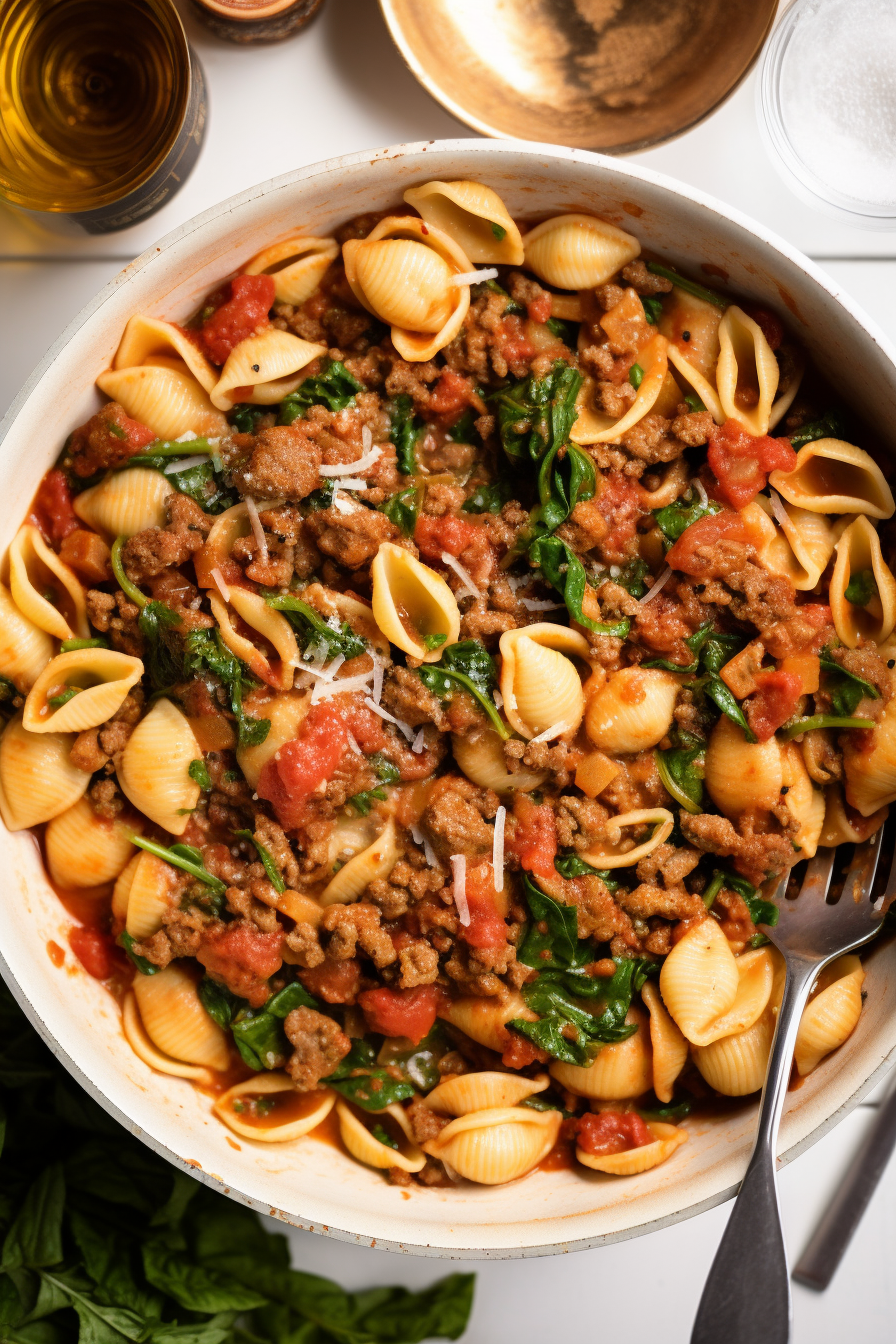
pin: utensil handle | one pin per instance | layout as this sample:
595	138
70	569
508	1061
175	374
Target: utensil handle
747	1294
819	1261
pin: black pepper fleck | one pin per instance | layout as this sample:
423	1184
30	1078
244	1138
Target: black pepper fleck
255	368
685	335
785	788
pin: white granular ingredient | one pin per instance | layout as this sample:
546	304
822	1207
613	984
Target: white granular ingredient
838	97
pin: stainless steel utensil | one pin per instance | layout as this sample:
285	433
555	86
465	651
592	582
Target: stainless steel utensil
747	1294
819	1261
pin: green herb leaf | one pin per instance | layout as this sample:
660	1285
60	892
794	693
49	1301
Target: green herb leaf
565	1029
499	231
403	510
205	651
129	589
833	425
722	697
267	860
469	665
363	802
567	332
681	771
693	402
571	865
667	1114
489	498
636	376
861	588
35	1236
761	911
404	433
57	701
630	576
198	771
334	387
689	286
244	417
846	689
362	1081
183	857
163	654
653	308
218	1001
558	946
821	721
311	628
381	1136
678	517
564	571
73	645
204	485
258	1032
195	1287
144	966
536	415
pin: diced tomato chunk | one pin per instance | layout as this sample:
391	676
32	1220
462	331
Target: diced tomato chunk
539	309
515	344
52	508
334	981
244	311
435	535
95	950
741	462
486	927
774	702
243	958
451	396
768	323
302	765
521	1052
702	535
401	1012
533	837
611	1132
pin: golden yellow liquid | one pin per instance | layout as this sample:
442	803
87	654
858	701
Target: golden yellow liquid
92	96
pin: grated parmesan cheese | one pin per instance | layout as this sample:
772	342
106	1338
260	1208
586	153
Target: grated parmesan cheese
188	437
353	483
419	837
377	677
417	744
498	848
540	604
459	869
701	490
464	575
372	455
324	689
353	743
660	583
555	730
384	714
220	584
474	277
778	508
342	505
185	464
257	529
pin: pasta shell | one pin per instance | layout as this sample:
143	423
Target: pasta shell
283	1114
804	801
667	1139
273	628
126	502
268	364
736	1065
692	376
832	1015
841	829
37	778
175	1021
632	711
154	768
299	907
480	754
402	272
683	312
675	479
143	895
741	776
620	1071
747	371
412	602
104	677
755	971
871	775
376	861
355	1130
474	216
167	399
699	981
858	552
297	266
578	251
785	399
34	569
348	837
285	713
802	547
617	850
493	1147
484	1020
483	1092
539	683
831	476
669	1046
25	649
147	336
136	1037
84	850
655	393
225	531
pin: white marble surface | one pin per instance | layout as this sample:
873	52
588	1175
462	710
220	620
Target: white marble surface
341	87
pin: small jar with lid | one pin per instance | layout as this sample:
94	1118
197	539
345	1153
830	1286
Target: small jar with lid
255	20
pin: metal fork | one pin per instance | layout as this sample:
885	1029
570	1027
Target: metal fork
746	1299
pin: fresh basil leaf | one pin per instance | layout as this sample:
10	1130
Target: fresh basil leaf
467	664
489	498
564	571
833	425
571	865
678	517
403	510
405	431
682	774
35	1237
267	860
196	1287
311	627
334	387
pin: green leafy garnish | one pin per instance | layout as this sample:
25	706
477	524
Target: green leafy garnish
219	1002
469	665
434	641
689	286
567	332
693	402
846	689
761	911
681	770
258	1032
821	721
536	415
653	308
205	651
499	231
489	498
204	485
334	387
144	966
567	1030
361	1080
8	690
861	588
311	627
832	425
678	517
564	571
668	1114
163	653
198	771
722	697
57	701
636	376
403	509
630	576
419	1064
245	417
573	865
267	860
377	1131
185	857
404	433
558	947
73	645
363	802
130	590
171	448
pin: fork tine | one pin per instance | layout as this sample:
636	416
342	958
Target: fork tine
883	901
863	869
818	876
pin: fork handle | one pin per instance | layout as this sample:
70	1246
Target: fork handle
747	1294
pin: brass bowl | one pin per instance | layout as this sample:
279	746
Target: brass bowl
609	75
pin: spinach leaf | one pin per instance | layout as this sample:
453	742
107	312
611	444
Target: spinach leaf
420	1064
258	1032
144	966
573	865
761	911
565	1029
205	651
387	773
361	1080
185	857
196	1287
245	417
511	307
71	645
311	628
198	771
406	430
403	509
489	498
563	481
653	308
334	387
693	402
861	588
8	689
695	643
219	1002
833	425
558	947
629	576
681	770
464	428
678	517
669	1114
689	286
469	665
35	1236
267	860
536	415
567	332
806	725
204	485
564	571
846	689
722	697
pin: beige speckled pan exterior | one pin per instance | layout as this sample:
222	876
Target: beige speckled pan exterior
310	1184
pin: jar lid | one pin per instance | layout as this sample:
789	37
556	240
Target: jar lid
827	106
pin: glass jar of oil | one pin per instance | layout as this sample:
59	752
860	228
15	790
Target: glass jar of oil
102	110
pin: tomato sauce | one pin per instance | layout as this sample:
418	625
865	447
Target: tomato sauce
401	1012
534	837
243	312
741	462
435	535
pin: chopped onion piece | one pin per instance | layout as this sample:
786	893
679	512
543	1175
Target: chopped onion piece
257	529
417	744
474	277
372	455
459	869
661	581
220	584
498	848
463	574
